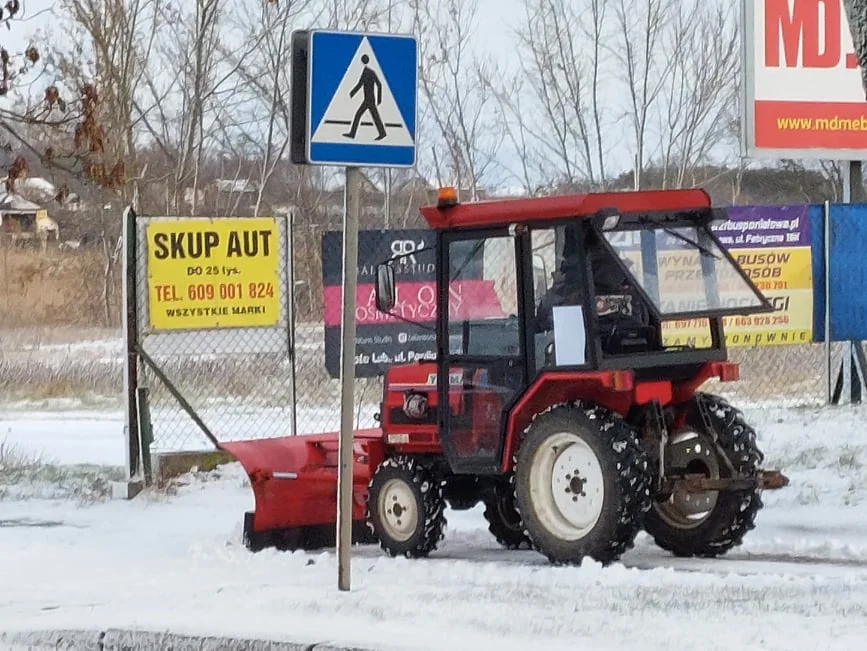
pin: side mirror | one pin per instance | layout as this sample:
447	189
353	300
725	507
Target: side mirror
384	287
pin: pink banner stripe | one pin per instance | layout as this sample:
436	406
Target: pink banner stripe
471	299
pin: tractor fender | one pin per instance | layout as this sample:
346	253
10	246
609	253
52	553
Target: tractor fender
613	389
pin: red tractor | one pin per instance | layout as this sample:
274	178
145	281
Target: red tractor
560	396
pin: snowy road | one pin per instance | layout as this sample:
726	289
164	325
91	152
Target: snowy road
176	562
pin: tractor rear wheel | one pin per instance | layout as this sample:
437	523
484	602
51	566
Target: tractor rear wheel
405	508
582	484
504	521
714	440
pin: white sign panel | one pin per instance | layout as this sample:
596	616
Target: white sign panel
804	96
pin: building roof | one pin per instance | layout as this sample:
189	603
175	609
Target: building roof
15	203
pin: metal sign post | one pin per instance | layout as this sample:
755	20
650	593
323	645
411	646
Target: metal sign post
351	214
354	104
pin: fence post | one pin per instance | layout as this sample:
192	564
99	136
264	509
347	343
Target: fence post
851	378
130	361
290	306
147	432
826	262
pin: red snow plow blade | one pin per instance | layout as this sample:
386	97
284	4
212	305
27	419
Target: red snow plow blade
294	481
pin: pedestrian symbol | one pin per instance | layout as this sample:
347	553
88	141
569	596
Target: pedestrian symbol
372	107
372	88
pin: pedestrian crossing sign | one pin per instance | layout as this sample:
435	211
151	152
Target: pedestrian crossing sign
362	99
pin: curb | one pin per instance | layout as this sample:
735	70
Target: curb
132	640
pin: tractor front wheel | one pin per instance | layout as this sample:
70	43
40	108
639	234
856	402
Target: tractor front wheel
714	441
405	508
582	484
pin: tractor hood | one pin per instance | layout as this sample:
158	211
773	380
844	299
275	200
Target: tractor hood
684	271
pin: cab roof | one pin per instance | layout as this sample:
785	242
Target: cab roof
529	210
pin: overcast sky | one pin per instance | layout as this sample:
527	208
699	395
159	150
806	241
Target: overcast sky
495	24
495	18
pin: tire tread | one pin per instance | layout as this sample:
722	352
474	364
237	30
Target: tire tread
737	439
633	482
432	511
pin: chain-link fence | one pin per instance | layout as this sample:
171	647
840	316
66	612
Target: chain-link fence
214	314
788	376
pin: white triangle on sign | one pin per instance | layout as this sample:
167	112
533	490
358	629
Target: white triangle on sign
343	108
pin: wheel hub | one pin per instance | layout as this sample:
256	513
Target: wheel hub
576	485
397	503
569	485
577	496
693	452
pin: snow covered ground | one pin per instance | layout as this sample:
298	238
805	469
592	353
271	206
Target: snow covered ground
174	561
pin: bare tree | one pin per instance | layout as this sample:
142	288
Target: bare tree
120	35
262	134
456	87
58	122
511	105
356	15
644	64
562	60
110	41
190	90
696	98
197	48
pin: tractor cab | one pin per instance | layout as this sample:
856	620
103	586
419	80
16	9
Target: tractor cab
635	288
635	291
633	281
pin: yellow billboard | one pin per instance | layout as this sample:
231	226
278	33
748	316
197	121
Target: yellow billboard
213	273
772	244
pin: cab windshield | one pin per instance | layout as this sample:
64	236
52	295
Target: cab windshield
684	271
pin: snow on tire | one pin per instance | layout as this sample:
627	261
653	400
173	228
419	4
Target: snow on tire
711	523
405	508
582	484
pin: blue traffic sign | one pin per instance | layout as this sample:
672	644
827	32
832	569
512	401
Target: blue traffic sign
362	99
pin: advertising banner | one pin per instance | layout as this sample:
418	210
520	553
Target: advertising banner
772	245
804	96
213	273
848	275
382	339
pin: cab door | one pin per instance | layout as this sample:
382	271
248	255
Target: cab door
483	366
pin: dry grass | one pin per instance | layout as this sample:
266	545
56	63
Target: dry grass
28	476
15	462
54	287
39	380
261	379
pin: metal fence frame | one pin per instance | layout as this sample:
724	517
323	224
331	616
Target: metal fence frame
186	390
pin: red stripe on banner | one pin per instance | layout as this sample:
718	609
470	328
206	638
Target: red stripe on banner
471	299
813	125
